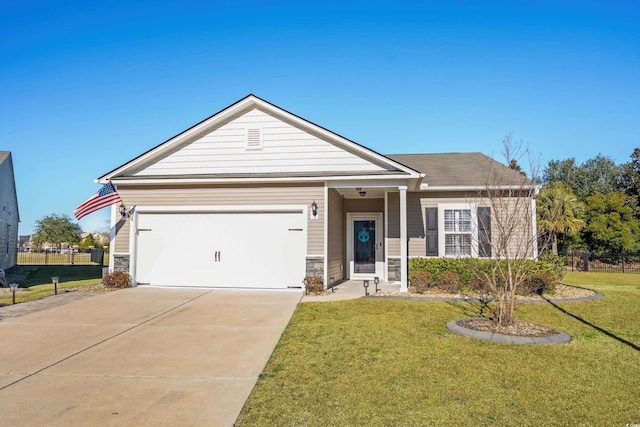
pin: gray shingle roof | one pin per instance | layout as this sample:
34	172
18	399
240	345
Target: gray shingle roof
459	169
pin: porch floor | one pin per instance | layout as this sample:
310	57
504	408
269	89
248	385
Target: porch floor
351	289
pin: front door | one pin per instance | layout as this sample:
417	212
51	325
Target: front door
366	254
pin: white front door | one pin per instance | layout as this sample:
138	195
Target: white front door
364	246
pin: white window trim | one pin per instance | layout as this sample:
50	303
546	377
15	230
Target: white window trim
473	207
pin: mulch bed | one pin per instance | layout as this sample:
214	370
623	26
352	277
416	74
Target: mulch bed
519	328
561	291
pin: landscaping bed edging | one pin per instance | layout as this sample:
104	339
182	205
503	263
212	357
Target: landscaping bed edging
596	295
560	338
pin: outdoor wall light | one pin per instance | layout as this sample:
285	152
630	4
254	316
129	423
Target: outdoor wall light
123	211
366	288
376	280
314	209
362	193
55	281
14	287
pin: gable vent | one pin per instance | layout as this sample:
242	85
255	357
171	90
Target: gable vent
254	139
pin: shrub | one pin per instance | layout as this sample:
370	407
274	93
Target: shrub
117	280
479	284
315	284
420	280
557	263
538	283
472	270
450	282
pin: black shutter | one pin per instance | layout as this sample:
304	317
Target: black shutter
484	232
432	231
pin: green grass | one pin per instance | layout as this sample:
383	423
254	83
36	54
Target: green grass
38	282
389	362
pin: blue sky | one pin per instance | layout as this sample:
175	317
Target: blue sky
87	86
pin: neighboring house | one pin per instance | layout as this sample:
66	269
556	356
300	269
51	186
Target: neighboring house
9	216
272	197
24	243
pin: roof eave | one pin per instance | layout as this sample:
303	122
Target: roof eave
427	187
252	180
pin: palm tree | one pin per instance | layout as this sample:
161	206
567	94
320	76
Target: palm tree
559	212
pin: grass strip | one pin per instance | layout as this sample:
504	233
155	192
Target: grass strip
389	362
38	283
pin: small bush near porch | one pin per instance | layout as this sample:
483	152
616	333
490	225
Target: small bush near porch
465	274
389	362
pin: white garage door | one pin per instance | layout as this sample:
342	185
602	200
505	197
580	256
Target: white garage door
221	249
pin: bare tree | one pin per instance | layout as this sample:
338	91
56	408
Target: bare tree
507	234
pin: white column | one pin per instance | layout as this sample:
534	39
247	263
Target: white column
385	274
403	239
325	275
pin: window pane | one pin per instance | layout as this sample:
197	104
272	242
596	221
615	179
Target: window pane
457	220
457	244
449	219
465	221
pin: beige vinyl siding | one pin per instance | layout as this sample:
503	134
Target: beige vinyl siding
227	196
285	149
8	216
336	236
417	202
393	241
514	211
363	205
122	237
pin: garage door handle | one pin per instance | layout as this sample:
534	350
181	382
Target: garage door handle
217	256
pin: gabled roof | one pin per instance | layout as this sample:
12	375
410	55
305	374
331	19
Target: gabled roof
461	170
237	109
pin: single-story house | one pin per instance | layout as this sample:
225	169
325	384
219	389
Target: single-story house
273	198
24	243
9	215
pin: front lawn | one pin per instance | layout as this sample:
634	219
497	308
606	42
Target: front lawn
390	362
38	283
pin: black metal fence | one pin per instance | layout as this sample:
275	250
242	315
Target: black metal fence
70	257
626	262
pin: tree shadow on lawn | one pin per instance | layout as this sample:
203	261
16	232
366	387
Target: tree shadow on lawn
481	308
473	308
596	327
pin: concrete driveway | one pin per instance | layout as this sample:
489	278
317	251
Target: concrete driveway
140	356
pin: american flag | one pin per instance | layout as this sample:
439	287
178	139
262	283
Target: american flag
105	197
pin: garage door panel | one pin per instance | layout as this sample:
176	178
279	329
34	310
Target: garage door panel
255	249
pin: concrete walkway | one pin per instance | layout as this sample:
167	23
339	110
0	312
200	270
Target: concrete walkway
351	289
24	308
140	356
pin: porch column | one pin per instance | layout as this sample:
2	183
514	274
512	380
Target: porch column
403	239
